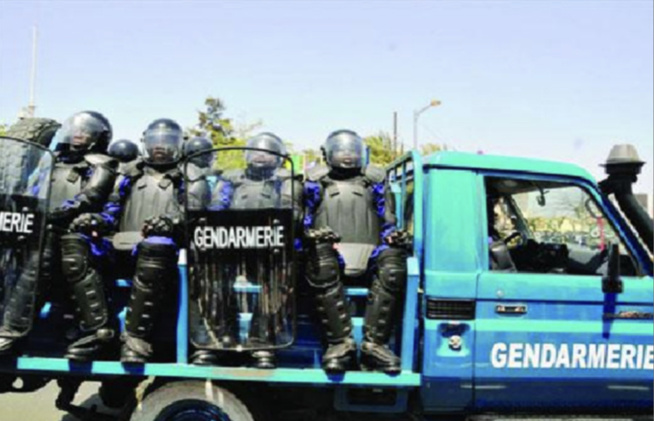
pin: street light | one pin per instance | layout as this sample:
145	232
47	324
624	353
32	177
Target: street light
416	114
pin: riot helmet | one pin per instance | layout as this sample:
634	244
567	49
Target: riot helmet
199	144
86	131
263	162
162	142
123	150
343	149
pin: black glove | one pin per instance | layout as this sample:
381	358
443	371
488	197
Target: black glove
62	217
158	226
322	235
92	224
399	239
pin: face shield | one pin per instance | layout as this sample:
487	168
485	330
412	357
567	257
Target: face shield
162	145
80	132
195	146
260	160
344	150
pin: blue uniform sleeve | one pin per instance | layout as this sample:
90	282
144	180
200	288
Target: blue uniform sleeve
114	207
311	198
221	199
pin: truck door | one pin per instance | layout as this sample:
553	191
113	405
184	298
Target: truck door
547	337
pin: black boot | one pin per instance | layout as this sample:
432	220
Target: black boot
155	270
323	275
262	335
337	324
381	313
88	295
204	353
139	321
378	325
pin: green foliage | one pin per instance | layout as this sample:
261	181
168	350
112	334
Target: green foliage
381	149
3	129
430	148
223	132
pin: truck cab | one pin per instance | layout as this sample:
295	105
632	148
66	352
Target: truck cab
514	311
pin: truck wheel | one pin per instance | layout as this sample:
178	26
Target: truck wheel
36	130
191	401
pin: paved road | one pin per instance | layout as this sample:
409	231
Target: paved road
39	406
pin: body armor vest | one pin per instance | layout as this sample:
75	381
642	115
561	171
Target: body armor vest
255	194
152	194
68	180
348	208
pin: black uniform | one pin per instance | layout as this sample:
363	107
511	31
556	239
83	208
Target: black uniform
82	180
352	205
149	198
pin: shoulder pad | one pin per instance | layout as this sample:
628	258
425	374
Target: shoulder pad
193	172
375	174
100	159
317	173
285	174
133	169
233	175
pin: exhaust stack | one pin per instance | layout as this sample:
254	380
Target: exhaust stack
622	167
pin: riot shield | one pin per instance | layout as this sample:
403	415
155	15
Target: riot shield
25	172
241	253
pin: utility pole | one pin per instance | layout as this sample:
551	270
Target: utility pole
394	134
29	111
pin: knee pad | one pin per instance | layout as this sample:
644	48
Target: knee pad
392	269
154	261
322	269
75	257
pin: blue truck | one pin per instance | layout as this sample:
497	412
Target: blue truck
530	293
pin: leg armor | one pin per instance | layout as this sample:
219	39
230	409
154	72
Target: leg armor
87	291
262	332
381	311
155	268
323	275
201	337
19	311
29	291
213	312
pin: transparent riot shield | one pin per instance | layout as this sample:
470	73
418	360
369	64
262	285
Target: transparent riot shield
241	251
25	172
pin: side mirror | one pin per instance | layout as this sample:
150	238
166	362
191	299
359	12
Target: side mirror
611	283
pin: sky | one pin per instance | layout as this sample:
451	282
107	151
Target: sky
558	80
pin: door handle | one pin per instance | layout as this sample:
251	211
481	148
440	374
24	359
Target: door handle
517	309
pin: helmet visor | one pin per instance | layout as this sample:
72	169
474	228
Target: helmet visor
80	131
344	151
162	146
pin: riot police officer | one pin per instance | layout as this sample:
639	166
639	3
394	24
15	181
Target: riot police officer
125	151
262	184
83	177
198	144
149	199
351	204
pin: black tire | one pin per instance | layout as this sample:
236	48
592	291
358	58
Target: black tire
36	130
191	401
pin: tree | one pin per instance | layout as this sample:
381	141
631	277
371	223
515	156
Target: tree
380	148
223	132
3	129
430	148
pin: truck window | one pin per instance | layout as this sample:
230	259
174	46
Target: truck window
549	227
